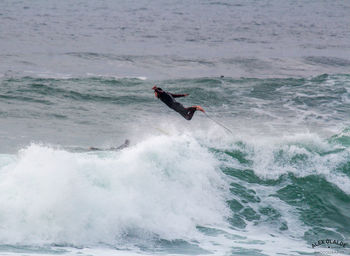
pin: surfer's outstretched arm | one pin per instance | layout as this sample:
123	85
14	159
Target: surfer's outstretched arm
179	95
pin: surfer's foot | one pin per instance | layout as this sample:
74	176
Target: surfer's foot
199	108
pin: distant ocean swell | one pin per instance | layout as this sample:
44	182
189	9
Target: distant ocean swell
105	88
315	103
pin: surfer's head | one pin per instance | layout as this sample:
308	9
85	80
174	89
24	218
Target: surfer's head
157	90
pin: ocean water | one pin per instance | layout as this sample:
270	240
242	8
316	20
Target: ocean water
76	74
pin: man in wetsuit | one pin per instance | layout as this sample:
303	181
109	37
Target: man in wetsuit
168	99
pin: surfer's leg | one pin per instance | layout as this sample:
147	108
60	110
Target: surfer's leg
199	108
190	112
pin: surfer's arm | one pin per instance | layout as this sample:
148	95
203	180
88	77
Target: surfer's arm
179	95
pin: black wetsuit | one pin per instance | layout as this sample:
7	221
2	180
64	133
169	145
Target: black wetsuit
168	99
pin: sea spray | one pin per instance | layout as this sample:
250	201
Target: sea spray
153	189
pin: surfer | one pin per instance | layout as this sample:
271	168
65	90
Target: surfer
124	145
168	99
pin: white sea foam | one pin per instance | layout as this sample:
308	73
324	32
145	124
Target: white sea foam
49	74
273	157
153	189
50	195
112	76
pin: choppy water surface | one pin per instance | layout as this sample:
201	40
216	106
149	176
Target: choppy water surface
79	74
171	39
